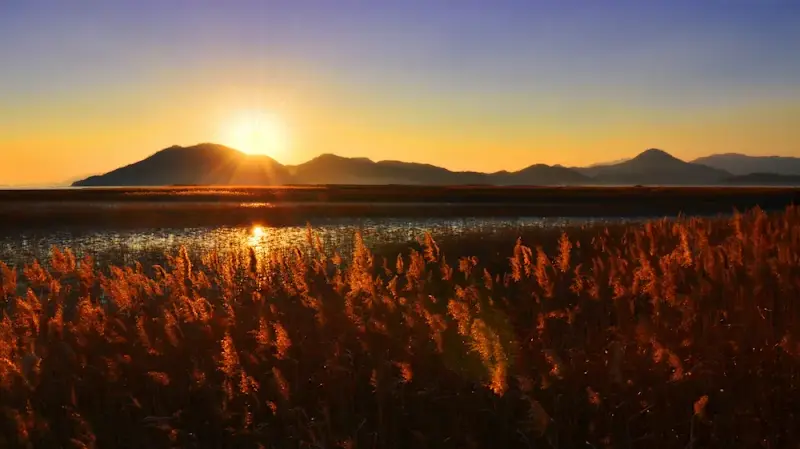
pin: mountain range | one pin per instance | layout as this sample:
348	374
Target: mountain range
213	164
740	164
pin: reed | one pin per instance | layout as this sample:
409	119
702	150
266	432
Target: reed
672	333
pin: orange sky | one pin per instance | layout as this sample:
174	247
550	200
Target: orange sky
467	89
61	140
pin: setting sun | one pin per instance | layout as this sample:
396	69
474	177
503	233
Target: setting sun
258	133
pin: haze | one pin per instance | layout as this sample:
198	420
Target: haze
469	85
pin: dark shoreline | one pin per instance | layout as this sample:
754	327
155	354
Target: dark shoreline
185	207
394	194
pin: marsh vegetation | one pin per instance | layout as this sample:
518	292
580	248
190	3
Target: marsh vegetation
670	333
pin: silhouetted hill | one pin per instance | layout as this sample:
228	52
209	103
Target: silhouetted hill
211	164
658	167
203	164
332	169
764	179
606	164
540	174
593	169
741	164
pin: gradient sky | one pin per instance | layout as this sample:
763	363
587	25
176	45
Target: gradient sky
86	86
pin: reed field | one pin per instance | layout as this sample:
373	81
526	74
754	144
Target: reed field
666	334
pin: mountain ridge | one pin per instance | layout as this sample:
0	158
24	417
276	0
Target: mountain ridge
741	164
654	166
214	164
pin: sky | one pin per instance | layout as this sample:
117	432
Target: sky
87	86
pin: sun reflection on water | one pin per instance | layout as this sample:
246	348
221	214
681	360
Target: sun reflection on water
257	237
127	246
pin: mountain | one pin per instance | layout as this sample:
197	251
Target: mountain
741	164
658	167
203	164
332	169
593	169
607	163
764	179
540	174
212	164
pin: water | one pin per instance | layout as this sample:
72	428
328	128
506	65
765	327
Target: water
130	245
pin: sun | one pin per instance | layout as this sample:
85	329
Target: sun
258	133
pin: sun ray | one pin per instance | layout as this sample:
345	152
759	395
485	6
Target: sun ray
258	133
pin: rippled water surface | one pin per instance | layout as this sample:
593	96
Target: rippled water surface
131	245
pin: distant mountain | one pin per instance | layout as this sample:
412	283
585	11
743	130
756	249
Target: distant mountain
657	167
764	179
605	164
540	174
212	164
332	169
741	164
203	164
593	169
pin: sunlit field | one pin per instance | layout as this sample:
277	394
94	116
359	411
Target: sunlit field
671	333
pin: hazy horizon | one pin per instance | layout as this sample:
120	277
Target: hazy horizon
68	181
477	86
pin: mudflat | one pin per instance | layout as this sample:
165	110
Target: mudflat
215	206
